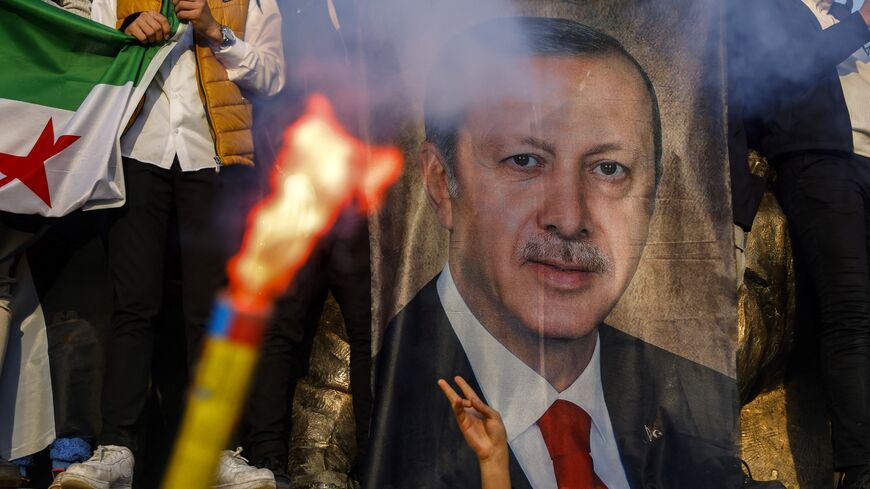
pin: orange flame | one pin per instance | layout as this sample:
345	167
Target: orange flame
320	169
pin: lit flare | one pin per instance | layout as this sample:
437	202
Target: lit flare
320	170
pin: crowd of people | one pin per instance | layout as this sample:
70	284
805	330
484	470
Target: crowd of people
537	222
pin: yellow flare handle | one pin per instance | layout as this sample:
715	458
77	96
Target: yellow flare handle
214	406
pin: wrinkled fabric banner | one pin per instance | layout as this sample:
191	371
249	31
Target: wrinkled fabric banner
667	359
682	297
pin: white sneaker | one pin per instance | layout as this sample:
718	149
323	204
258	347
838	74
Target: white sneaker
234	473
110	467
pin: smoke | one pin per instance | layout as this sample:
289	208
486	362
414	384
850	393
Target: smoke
369	58
773	50
374	70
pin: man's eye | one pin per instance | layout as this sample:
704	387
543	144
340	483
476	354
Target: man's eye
609	169
523	160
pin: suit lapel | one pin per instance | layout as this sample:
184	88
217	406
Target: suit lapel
447	341
415	441
631	402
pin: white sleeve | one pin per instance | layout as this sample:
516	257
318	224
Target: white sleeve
257	63
104	12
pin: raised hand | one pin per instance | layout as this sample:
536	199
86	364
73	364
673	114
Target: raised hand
484	432
481	425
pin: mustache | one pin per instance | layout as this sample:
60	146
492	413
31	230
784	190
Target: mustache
573	252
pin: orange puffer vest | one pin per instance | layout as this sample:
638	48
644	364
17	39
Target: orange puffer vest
230	116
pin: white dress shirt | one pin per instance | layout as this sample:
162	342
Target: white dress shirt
522	396
173	119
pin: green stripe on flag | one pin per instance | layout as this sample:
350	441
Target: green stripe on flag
54	58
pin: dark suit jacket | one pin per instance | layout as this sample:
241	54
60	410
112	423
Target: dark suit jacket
673	419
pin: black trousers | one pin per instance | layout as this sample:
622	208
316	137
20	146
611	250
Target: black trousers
209	209
339	263
826	198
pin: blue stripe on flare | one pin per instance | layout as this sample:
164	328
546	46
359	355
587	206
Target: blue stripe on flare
221	317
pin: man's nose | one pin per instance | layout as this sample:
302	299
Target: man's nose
563	206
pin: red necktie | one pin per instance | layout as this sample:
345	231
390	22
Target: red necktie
565	427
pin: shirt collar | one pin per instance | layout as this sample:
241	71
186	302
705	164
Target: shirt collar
510	386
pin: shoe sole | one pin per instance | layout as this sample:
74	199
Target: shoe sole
80	484
246	485
75	484
73	481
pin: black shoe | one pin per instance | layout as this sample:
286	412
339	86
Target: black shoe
855	478
279	468
282	481
10	477
754	484
354	474
750	483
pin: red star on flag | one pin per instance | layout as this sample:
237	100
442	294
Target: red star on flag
30	169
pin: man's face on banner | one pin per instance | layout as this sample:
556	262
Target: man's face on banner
555	195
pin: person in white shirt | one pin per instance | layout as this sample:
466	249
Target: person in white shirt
542	160
188	168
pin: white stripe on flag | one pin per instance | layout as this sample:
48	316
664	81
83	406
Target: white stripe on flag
73	173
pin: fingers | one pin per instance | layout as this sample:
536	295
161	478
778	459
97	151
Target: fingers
466	389
164	25
459	404
136	31
149	27
185	9
184	15
484	409
451	394
474	400
459	408
189	9
188	5
153	30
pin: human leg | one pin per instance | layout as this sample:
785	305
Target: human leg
211	209
349	274
825	199
136	243
283	361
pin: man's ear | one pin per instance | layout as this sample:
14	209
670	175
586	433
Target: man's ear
435	183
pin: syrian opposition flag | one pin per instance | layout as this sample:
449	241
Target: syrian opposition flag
68	87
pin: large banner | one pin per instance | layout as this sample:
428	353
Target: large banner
682	296
545	245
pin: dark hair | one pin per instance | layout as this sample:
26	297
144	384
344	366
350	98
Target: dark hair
513	36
